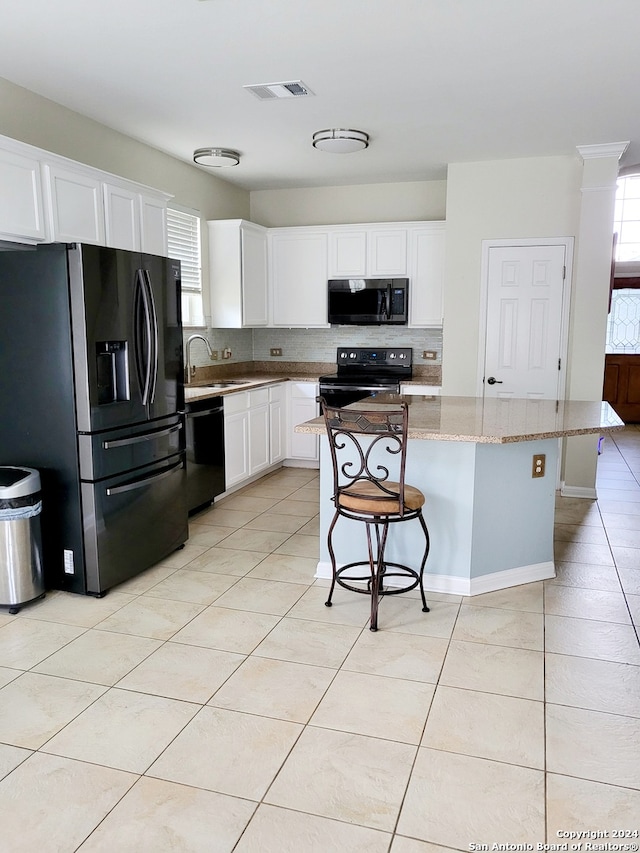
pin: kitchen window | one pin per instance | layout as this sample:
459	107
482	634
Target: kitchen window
183	233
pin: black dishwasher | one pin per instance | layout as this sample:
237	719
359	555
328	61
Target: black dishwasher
205	452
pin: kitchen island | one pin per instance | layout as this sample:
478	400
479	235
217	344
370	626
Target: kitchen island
490	520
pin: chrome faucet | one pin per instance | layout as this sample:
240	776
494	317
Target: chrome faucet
189	369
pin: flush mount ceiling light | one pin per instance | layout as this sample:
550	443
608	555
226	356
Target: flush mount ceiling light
340	140
216	157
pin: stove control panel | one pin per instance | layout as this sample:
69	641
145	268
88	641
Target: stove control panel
367	357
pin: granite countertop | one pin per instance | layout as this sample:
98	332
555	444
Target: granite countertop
204	389
491	420
223	384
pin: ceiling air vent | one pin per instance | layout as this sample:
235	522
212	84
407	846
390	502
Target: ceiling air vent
269	91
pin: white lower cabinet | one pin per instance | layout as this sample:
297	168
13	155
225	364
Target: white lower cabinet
259	445
236	443
253	432
277	422
303	407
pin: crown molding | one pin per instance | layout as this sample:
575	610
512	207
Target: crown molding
607	149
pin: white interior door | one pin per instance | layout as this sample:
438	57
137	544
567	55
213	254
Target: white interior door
524	324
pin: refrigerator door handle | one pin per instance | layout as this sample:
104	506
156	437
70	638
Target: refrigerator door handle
142	332
124	442
139	484
153	323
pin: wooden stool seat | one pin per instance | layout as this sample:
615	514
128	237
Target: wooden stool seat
369	497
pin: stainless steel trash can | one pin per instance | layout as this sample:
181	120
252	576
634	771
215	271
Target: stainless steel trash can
21	578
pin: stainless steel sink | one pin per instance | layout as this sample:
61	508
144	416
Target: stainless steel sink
230	383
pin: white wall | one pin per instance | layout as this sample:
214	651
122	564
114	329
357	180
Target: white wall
417	200
533	198
495	200
37	121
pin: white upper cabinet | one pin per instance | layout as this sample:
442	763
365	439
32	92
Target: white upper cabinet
347	253
47	197
373	251
76	206
426	274
122	218
153	224
237	274
88	206
21	207
254	274
301	259
298	277
387	252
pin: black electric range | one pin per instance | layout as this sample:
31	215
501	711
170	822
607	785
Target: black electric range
364	371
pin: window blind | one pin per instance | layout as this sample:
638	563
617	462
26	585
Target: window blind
183	239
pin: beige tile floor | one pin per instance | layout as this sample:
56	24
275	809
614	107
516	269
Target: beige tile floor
214	704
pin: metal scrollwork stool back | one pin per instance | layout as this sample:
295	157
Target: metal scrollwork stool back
366	446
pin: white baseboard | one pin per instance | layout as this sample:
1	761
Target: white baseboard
300	463
512	577
453	585
585	492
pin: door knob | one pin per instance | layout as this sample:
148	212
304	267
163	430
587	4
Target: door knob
493	381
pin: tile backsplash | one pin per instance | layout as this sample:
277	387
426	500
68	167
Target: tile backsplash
301	345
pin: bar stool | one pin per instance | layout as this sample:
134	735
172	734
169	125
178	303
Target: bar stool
366	447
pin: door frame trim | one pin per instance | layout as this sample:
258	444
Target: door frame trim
487	245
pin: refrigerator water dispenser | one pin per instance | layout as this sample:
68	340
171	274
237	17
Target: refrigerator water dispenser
112	373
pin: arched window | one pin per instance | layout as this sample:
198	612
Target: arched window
623	327
626	222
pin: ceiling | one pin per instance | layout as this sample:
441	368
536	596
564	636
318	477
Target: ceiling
431	81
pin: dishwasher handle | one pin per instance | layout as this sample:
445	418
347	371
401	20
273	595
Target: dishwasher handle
215	411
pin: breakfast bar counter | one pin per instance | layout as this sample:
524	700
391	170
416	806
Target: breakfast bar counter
490	520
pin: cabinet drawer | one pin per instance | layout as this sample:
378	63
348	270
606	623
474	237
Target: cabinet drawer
236	402
304	390
421	390
277	393
259	397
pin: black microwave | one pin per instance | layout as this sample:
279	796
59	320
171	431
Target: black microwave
368	301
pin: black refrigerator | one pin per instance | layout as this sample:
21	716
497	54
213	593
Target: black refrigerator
91	394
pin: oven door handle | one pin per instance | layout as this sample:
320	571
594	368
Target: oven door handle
329	388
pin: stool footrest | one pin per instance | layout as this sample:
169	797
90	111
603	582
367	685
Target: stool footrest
403	572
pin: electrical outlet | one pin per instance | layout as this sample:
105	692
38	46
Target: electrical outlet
429	353
214	355
537	468
226	352
275	351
